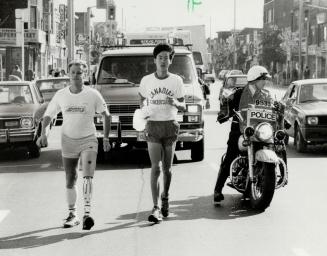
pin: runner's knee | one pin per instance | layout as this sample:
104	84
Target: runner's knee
71	179
155	169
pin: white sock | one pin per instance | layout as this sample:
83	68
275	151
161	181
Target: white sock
87	192
71	194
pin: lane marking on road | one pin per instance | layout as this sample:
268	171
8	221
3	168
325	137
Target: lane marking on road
300	252
3	214
25	165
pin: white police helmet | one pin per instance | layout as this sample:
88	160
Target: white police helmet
257	71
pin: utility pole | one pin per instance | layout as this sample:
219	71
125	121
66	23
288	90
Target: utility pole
71	30
234	36
300	37
19	14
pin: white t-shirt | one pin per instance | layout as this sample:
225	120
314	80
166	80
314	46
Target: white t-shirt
78	110
156	92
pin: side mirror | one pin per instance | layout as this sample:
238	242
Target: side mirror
290	102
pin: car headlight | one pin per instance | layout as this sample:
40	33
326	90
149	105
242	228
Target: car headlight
264	131
312	120
26	122
193	108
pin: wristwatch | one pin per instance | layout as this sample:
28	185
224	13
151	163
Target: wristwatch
107	139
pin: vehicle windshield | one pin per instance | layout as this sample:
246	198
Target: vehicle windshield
131	69
235	82
52	85
13	94
313	92
197	58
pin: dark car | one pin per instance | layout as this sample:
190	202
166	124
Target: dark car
231	82
306	110
48	88
18	126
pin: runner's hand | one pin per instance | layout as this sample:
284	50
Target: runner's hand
171	101
42	141
106	145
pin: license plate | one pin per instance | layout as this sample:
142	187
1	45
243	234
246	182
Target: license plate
11	123
114	119
179	118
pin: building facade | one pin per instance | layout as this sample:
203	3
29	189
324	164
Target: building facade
44	25
11	27
307	18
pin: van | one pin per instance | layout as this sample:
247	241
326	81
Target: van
118	78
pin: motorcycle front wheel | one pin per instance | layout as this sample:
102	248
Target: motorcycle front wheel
263	186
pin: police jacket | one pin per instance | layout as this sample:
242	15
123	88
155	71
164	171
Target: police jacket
234	105
248	97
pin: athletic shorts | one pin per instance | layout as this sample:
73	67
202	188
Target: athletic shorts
163	132
72	148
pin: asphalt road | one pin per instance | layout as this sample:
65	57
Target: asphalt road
32	206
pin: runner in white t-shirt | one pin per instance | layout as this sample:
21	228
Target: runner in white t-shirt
164	94
78	104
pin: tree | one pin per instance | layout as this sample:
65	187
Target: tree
272	51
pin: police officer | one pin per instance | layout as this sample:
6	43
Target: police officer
241	99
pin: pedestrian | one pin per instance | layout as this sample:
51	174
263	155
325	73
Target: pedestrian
306	73
52	73
164	94
295	74
78	104
62	73
17	72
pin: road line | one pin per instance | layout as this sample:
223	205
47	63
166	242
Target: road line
3	214
300	252
24	165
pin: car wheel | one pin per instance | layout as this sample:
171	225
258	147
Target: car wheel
34	150
299	142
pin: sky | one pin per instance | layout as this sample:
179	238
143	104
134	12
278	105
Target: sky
217	15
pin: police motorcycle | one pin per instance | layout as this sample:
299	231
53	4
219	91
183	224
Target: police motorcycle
261	166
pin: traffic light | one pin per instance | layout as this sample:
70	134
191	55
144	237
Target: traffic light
306	14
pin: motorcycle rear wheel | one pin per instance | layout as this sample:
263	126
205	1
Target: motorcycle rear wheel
263	186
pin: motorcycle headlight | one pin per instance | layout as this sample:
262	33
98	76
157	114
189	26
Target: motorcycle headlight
193	108
264	132
312	120
26	122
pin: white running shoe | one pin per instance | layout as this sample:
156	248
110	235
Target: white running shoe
71	221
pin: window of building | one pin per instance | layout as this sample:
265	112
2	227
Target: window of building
33	18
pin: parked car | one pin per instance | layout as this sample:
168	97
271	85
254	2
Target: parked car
209	78
48	88
222	74
234	72
18	102
231	82
306	110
